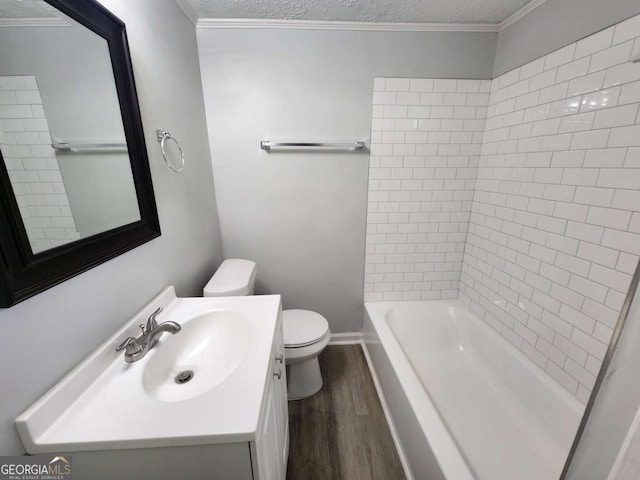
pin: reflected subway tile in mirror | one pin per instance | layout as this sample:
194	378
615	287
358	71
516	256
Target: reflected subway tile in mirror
25	142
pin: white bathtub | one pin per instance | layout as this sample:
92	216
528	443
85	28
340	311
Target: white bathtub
464	402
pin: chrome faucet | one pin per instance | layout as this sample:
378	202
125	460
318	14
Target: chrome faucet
137	348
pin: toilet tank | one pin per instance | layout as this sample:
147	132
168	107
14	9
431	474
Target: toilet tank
235	277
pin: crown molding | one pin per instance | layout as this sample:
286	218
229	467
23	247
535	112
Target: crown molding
188	11
251	23
256	23
34	22
519	14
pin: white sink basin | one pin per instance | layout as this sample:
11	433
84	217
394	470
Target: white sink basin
207	349
107	404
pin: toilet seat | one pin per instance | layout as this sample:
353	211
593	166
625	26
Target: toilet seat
296	355
303	327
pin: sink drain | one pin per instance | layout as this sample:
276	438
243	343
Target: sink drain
184	377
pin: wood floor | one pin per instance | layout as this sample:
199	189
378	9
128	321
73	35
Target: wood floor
341	433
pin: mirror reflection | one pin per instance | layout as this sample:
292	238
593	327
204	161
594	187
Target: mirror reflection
61	131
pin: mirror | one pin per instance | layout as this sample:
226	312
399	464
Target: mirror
76	188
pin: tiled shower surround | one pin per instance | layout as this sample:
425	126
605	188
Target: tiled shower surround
553	235
425	147
32	164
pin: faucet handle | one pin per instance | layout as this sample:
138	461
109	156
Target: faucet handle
152	323
131	345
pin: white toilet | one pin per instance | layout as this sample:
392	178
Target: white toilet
306	333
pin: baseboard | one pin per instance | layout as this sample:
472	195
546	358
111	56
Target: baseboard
387	414
348	338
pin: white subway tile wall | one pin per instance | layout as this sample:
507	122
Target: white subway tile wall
553	230
33	169
425	146
551	244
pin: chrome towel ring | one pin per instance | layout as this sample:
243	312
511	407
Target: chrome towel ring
162	137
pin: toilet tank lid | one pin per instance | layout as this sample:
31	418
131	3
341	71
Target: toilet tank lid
235	276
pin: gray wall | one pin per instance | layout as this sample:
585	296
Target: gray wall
301	216
45	336
554	24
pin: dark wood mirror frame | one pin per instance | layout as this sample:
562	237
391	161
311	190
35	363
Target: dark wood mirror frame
23	273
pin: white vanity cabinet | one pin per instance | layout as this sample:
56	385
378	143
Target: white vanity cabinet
270	451
107	417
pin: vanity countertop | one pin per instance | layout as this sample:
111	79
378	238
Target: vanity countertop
107	404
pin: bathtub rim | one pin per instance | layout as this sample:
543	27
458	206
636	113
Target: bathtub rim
445	450
386	409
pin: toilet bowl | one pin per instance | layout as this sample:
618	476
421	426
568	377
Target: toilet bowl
306	333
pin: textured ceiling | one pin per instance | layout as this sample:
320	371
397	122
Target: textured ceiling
26	9
400	11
